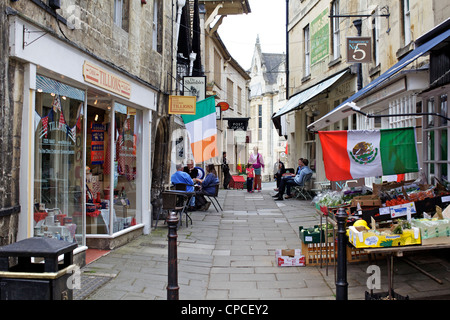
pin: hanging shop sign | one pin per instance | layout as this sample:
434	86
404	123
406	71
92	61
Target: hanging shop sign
182	105
237	123
223	106
195	86
359	49
106	80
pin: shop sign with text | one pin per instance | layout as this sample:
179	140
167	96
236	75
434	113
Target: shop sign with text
359	49
106	80
182	105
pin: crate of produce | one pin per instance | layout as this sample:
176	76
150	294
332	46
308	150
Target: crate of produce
432	228
314	234
383	238
315	254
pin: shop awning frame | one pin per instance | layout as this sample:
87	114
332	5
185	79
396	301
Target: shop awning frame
298	101
348	105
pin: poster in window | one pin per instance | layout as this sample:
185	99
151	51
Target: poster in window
97	144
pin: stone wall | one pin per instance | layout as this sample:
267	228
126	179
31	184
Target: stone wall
88	25
9	139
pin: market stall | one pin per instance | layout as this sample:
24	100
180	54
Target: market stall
390	217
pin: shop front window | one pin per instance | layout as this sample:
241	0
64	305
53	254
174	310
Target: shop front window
112	160
127	137
58	168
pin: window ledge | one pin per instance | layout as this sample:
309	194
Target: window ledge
405	50
335	62
375	71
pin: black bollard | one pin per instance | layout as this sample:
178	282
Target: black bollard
341	281
172	275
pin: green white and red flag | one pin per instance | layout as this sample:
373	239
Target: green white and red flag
202	130
368	153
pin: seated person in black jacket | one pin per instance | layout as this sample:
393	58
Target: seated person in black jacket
190	169
280	171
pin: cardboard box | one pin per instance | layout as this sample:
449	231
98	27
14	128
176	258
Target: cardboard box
312	235
366	201
432	228
370	239
402	210
290	258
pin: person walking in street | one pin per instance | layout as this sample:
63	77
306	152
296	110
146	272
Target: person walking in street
250	175
256	159
226	171
207	186
289	181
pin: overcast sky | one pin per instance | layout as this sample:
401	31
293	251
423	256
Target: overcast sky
267	18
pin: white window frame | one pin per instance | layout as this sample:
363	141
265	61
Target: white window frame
307	48
435	103
407	21
118	12
336	31
155	26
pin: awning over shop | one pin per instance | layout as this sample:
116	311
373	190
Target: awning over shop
345	109
301	98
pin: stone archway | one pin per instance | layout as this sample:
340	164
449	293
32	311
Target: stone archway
159	164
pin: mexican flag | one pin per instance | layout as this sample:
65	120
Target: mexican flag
368	153
202	130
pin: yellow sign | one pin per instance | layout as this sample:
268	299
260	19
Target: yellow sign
182	105
102	78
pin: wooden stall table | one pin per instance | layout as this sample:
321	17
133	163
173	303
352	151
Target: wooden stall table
390	252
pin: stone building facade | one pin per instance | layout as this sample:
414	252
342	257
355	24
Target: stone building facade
267	96
318	61
55	43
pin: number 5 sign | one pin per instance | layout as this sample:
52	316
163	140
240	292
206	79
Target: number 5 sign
359	49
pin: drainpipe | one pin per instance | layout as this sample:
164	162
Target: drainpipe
287	50
358	24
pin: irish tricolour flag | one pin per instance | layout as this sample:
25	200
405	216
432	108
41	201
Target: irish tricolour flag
368	153
202	130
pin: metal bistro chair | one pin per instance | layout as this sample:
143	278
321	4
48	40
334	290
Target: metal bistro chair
170	202
212	197
304	190
183	187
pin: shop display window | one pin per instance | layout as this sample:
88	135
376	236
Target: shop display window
111	164
105	184
58	168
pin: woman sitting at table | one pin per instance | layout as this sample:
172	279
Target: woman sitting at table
207	186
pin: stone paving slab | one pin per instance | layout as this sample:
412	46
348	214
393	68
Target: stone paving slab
230	255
